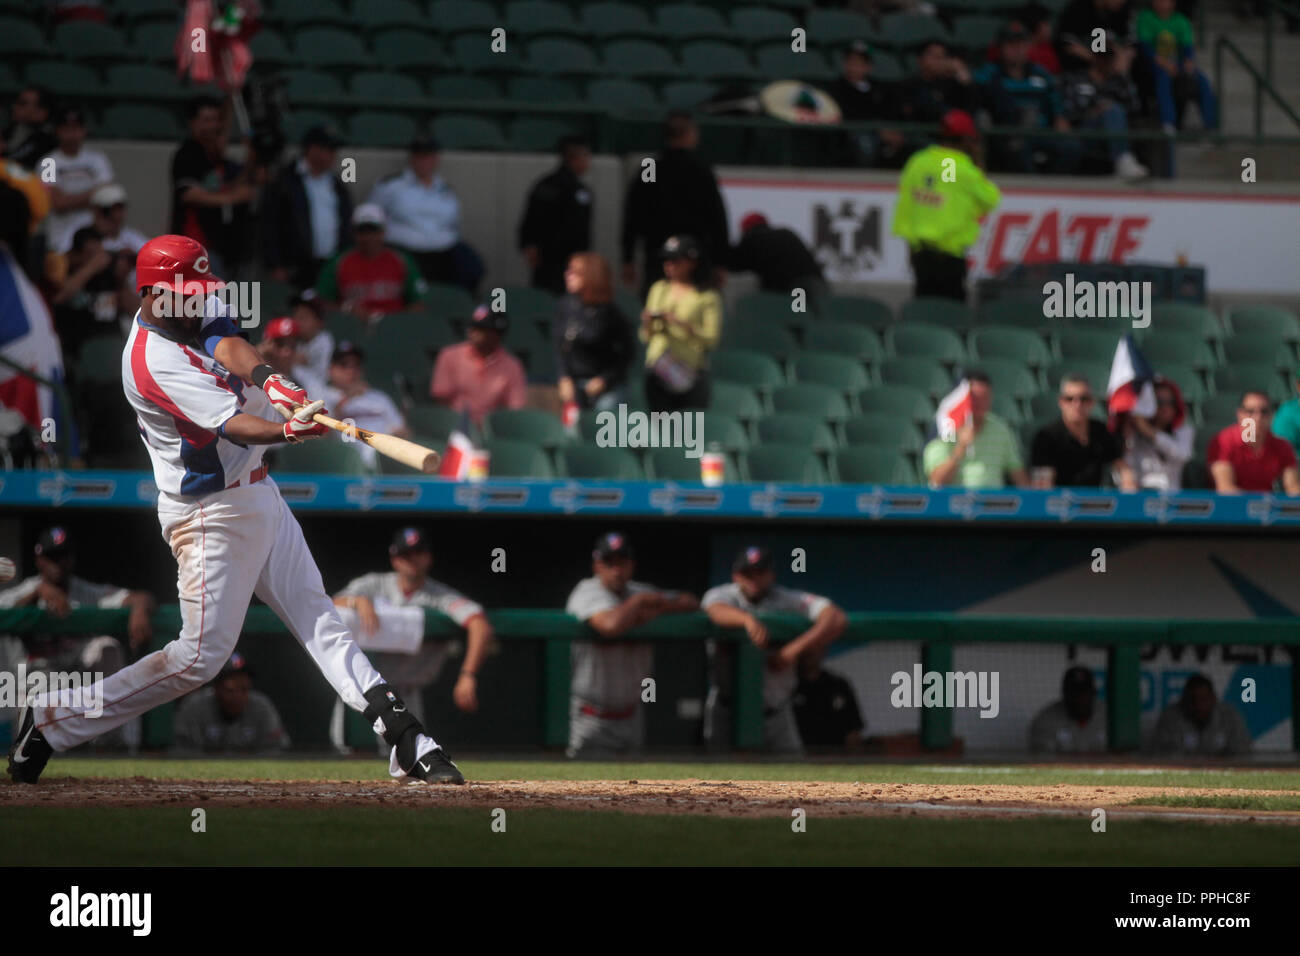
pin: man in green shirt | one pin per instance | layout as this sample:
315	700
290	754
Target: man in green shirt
984	453
942	196
1286	421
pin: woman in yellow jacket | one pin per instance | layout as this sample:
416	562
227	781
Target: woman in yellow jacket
680	326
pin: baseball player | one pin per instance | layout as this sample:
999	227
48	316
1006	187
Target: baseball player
207	407
605	691
753	590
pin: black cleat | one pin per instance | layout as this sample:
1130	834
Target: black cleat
436	767
31	752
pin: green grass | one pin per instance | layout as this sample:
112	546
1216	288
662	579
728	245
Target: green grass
375	769
455	836
1263	801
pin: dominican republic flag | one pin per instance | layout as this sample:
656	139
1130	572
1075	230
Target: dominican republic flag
954	411
212	46
1130	389
460	446
27	338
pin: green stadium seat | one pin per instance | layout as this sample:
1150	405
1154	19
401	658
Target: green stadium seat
298	122
311	85
869	465
449	303
132	121
267	45
922	340
99	361
976	32
540	365
859	309
935	311
837	27
1008	342
806	398
538	134
1044	407
738	401
640	58
1187	378
1259	349
456	131
327	456
604	20
1096	372
883	430
690	21
671	464
134	11
331	47
592	461
542	89
711	59
87	40
563	57
618	94
923	373
8	80
464	88
775	308
789	428
1177	318
511	458
762	24
392	130
905	401
1026	313
770	339
797	464
1236	377
1008	407
295	14
473	53
144	81
753	369
391	13
460	16
909	31
533	18
408	49
835	369
528	424
725	430
1265	319
1171	347
20	37
1014	379
65	79
524	303
778	61
1088	345
846	338
436	421
385	87
1218	411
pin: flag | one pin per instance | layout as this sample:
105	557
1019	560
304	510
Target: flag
954	411
460	447
212	46
1130	389
27	337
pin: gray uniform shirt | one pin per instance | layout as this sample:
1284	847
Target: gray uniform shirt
1054	731
201	726
778	686
607	674
1225	734
81	593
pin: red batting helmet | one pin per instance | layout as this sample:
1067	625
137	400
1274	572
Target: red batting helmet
160	261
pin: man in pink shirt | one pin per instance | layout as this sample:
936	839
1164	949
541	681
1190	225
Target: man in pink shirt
478	375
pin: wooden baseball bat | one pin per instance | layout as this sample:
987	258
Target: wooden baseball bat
399	449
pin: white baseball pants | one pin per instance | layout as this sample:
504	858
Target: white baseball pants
228	546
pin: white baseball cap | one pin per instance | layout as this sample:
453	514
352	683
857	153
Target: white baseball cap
368	214
109	195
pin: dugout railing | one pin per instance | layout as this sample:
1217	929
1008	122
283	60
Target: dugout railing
937	634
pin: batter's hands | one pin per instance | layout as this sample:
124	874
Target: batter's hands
301	426
285	394
465	693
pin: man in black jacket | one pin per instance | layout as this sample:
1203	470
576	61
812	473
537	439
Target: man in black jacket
681	199
778	256
307	213
557	217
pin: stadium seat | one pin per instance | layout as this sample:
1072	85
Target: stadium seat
976	32
834	369
1008	342
144	81
399	355
774	308
1014	379
330	47
865	311
837	27
533	18
778	61
561	56
817	401
1008	407
1044	407
788	428
1218	411
464	88
935	311
738	401
909	31
407	49
1259	349
391	13
542	89
311	85
921	373
296	14
922	340
511	458
20	37
449	303
756	370
592	461
460	16
762	25
65	79
134	11
528	424
687	94
1096	372
297	122
711	59
640	58
604	20
525	304
725	430
1236	377
8	80
691	21
1265	319
538	134
456	131
846	338
385	86
884	430
1177	318
132	121
1025	313
1087	345
906	401
392	130
618	94
327	456
671	464
1187	378
868	465
772	340
86	40
786	463
1171	347
436	421
155	41
473	53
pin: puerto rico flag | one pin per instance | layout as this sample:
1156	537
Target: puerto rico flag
460	446
953	411
1130	389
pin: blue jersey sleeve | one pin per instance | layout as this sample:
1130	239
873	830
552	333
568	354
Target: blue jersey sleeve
214	330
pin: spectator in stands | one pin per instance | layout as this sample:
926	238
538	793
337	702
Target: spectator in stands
1200	725
1098	95
942	83
67	10
210	194
349	396
24	205
753	591
478	376
229	716
1079	449
778	256
826	708
280	349
108	209
1072	725
1074	33
984	453
938	215
682	199
595	342
408	585
1168	45
1037	21
1286	423
423	214
557	217
307	212
29	135
681	325
1247	456
91	292
1159	447
605	715
371	279
78	172
862	99
1018	93
315	342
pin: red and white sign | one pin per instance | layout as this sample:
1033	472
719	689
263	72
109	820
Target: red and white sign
1245	243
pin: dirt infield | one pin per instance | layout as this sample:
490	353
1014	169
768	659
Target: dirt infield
741	798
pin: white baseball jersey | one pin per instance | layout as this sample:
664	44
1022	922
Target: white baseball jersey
183	398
